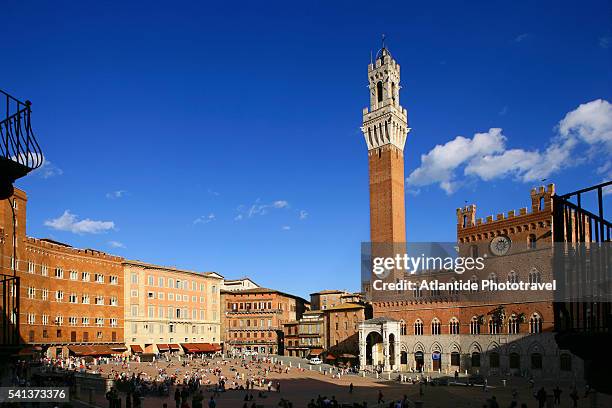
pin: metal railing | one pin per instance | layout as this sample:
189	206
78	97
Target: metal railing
17	141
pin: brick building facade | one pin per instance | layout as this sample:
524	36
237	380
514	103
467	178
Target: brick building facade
69	297
447	330
253	319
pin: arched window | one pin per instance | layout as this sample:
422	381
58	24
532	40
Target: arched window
475	325
494	360
474	251
535	323
403	357
455	359
493	326
475	359
379	91
534	276
453	290
403	331
565	362
493	278
418	327
474	279
531	241
512	277
515	360
435	326
393	91
536	361
513	325
453	326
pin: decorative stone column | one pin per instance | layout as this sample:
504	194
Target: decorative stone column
386	365
398	351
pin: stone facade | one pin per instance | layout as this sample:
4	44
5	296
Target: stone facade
165	305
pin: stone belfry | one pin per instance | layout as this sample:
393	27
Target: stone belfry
385	127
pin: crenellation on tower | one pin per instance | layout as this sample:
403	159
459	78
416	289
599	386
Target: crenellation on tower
541	198
466	216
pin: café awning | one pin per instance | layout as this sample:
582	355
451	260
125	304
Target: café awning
162	347
136	348
208	347
174	347
190	348
316	352
92	350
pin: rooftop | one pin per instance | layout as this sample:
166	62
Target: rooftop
213	275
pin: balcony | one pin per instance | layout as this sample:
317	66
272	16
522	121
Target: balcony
20	153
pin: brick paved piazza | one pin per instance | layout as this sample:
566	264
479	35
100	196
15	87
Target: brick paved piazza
300	385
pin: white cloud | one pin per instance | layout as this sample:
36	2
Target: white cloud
113	195
521	37
116	244
48	169
303	214
259	208
439	164
604	42
213	193
590	122
280	204
485	156
205	219
70	222
285	227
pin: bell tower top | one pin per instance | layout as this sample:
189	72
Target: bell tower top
386	121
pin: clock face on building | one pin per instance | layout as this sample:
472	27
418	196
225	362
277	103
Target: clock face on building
500	245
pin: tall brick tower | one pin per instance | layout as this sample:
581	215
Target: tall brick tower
385	127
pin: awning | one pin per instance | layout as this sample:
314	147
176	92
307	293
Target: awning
330	357
190	348
316	352
136	348
79	350
162	347
118	347
91	350
208	347
101	350
174	347
26	351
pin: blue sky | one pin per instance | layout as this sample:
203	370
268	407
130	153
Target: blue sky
226	137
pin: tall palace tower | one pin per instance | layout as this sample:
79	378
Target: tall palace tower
385	128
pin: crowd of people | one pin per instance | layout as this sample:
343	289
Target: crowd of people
198	382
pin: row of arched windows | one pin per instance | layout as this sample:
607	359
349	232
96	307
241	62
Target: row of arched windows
512	325
534	276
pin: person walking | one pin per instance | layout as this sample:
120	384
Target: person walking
350	388
557	394
212	403
574	398
380	397
177	398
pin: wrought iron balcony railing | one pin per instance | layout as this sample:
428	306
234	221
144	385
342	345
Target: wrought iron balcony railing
20	153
